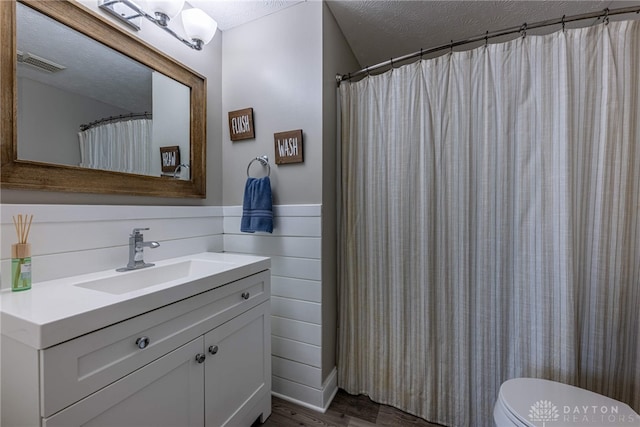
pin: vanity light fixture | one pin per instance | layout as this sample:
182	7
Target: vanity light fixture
198	26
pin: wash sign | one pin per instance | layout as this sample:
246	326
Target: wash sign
288	147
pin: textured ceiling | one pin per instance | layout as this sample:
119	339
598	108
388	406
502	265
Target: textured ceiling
91	70
232	13
379	30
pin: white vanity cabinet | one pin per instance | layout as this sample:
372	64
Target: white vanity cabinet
202	360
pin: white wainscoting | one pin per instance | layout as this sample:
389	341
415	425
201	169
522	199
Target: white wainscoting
296	302
68	240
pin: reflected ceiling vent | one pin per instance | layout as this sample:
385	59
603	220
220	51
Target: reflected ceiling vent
39	62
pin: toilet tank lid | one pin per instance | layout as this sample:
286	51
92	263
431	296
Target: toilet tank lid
535	400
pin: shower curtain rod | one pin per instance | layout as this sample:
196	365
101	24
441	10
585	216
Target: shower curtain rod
605	14
111	119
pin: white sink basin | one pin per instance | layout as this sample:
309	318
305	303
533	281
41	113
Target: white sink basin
121	283
58	310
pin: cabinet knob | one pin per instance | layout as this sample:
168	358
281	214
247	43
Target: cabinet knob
200	357
142	342
213	349
246	295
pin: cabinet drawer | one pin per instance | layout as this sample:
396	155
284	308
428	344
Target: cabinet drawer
76	368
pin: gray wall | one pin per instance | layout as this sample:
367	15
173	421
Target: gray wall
49	119
337	57
170	120
274	65
284	66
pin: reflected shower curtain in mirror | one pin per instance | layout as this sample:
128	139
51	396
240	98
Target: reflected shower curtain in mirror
123	146
490	224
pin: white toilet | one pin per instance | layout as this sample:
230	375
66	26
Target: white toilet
534	402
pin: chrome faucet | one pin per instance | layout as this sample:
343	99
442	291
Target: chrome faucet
136	250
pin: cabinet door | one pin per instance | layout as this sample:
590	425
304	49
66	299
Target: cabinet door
238	370
166	392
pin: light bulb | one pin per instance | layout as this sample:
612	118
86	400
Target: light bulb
198	25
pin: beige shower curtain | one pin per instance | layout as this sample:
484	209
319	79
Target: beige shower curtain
490	224
123	146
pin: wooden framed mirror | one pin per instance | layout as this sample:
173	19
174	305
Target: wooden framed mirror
18	171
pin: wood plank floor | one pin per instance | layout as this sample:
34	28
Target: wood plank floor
345	411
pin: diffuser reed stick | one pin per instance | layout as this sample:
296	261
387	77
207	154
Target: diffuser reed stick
21	254
22	227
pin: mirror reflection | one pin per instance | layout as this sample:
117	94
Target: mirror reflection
83	104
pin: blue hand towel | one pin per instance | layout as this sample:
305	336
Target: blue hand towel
257	208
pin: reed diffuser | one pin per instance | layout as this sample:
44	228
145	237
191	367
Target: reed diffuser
21	255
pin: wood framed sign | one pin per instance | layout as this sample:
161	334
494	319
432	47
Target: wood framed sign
170	158
241	124
288	147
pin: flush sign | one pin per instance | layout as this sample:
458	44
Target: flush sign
288	147
241	124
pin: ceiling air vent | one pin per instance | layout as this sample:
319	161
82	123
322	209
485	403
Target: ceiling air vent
39	62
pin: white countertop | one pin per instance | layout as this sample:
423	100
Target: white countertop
59	310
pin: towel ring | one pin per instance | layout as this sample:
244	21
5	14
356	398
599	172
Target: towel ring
264	161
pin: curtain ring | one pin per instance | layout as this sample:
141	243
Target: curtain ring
391	60
421	49
366	70
451	47
486	38
563	23
606	17
523	30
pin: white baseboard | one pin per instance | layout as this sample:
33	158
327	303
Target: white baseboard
330	388
325	395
